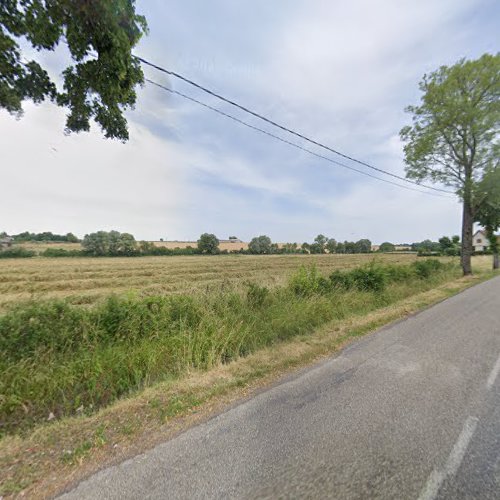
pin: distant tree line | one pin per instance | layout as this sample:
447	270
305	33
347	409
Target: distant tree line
45	236
114	244
444	246
321	245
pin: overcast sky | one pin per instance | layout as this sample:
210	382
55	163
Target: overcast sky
339	71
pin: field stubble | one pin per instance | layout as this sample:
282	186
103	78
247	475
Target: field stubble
87	280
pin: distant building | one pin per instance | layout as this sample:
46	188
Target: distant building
480	242
232	239
6	242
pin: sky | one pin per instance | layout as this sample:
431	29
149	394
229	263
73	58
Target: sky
341	72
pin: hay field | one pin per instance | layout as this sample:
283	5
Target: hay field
223	245
40	246
86	280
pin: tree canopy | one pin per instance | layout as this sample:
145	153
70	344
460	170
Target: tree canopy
101	81
208	243
260	245
455	132
112	243
386	246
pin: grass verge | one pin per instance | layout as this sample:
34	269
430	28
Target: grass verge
41	461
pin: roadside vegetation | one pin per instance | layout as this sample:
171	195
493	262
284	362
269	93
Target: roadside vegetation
58	359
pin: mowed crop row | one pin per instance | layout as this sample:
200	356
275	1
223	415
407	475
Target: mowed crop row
87	280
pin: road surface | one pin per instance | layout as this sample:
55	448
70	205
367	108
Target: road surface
412	411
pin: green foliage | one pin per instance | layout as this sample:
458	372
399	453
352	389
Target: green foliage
375	277
426	246
208	243
16	253
61	252
456	126
291	248
342	279
331	245
371	278
363	246
307	281
71	238
59	358
449	246
45	236
488	206
386	247
455	133
112	243
319	244
260	245
340	247
256	294
100	36
426	268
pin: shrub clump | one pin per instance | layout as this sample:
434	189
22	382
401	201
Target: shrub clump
372	278
426	268
16	253
375	277
62	252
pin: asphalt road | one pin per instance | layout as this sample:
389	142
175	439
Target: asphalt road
412	411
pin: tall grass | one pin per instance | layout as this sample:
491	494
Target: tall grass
60	359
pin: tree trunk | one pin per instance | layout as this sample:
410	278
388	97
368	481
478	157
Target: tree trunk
495	261
467	222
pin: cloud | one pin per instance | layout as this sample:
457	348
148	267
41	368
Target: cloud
83	182
341	72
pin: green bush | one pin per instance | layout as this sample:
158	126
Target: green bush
369	279
342	279
426	268
16	253
397	273
375	277
61	252
306	281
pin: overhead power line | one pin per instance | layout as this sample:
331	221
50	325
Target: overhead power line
293	144
282	127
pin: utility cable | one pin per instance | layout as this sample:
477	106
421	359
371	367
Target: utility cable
293	144
282	127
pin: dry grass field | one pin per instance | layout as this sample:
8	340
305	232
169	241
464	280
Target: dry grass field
40	246
86	280
223	245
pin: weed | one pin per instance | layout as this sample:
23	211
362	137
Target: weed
56	358
256	295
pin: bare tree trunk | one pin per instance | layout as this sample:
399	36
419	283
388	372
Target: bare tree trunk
467	222
495	261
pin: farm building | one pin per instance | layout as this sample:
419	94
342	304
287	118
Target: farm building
480	242
6	242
